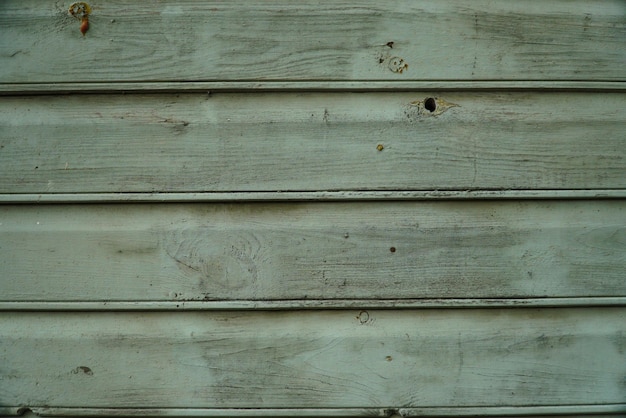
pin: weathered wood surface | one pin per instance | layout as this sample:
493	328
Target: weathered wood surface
338	40
268	251
320	359
312	142
347	305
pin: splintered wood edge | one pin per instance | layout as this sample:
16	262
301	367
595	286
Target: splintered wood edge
334	304
286	86
502	411
207	197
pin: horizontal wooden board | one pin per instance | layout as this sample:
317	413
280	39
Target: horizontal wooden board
333	250
312	142
338	40
318	359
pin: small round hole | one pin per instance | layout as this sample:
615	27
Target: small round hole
392	249
430	104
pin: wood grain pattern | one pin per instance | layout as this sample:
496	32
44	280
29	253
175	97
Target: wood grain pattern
269	251
269	208
321	359
338	40
311	142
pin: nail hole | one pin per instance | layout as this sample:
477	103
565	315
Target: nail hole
430	104
392	249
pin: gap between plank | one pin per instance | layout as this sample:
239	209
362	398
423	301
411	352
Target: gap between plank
252	196
500	411
312	304
309	86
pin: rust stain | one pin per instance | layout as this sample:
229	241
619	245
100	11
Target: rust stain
81	10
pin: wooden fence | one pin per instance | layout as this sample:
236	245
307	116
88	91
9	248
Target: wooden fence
313	209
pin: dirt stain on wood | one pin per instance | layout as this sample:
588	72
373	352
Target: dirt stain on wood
83	370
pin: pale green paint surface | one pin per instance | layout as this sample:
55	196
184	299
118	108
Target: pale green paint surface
312	142
339	40
277	251
551	126
320	359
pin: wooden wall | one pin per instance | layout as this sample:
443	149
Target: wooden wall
313	209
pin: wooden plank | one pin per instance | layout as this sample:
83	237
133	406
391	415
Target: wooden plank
312	142
317	359
338	40
338	196
291	251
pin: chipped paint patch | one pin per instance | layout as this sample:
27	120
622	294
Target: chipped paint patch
397	65
394	63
